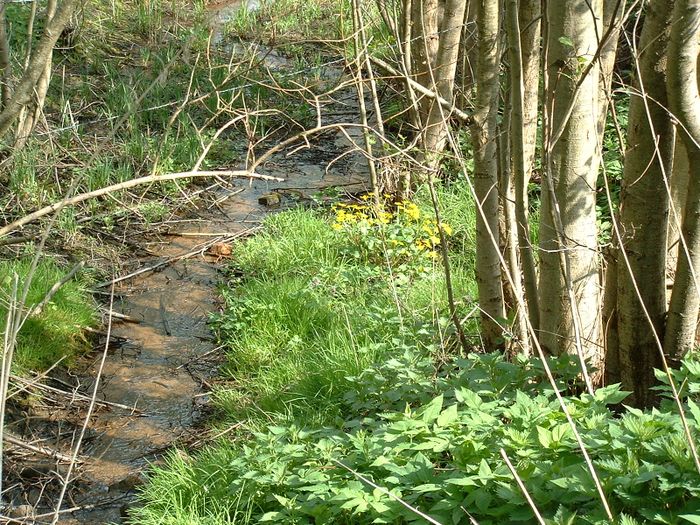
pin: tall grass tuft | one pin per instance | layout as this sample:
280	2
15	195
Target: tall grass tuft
56	332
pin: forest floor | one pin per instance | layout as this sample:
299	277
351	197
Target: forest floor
276	348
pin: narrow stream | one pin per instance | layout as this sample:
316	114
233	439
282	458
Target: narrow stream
163	368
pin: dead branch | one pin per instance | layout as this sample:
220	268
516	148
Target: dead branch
44	451
449	106
172	260
27	384
129	184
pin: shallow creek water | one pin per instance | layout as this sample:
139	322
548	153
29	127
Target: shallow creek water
163	367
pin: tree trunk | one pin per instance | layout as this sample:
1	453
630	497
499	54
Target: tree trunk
643	214
679	189
569	269
443	74
5	63
31	112
488	270
513	294
425	39
25	89
523	151
612	14
684	101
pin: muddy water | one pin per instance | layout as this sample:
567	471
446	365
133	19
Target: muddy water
163	368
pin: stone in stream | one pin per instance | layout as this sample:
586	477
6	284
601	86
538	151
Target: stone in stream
270	199
21	512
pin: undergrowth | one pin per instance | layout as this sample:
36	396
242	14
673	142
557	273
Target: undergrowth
141	90
311	306
342	367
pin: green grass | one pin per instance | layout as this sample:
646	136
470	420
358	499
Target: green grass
306	314
336	358
57	332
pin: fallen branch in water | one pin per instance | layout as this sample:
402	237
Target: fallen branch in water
44	451
177	258
125	185
29	384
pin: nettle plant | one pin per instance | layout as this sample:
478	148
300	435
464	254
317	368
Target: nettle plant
433	438
400	235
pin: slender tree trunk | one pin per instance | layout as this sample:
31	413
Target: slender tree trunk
25	89
612	14
5	63
31	112
684	98
522	165
444	74
569	268
514	296
610	336
488	270
425	39
643	214
679	189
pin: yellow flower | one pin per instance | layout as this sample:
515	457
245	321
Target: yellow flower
337	226
446	228
412	211
366	197
384	217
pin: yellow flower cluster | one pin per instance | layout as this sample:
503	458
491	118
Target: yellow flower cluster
408	231
352	214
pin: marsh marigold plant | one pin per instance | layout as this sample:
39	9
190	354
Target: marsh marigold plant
399	234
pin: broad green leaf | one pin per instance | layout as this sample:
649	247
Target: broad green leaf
565	40
692	518
449	415
485	472
272	516
462	482
431	411
611	394
544	436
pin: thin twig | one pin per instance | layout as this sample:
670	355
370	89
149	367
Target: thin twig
523	489
172	260
129	184
76	395
88	415
44	451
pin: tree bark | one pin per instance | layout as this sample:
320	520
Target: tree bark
612	14
522	151
443	73
684	101
569	269
425	39
31	112
25	88
5	63
680	175
488	270
641	287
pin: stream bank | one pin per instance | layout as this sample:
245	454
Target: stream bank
154	385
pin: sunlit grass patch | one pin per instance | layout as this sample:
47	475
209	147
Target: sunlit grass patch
56	332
